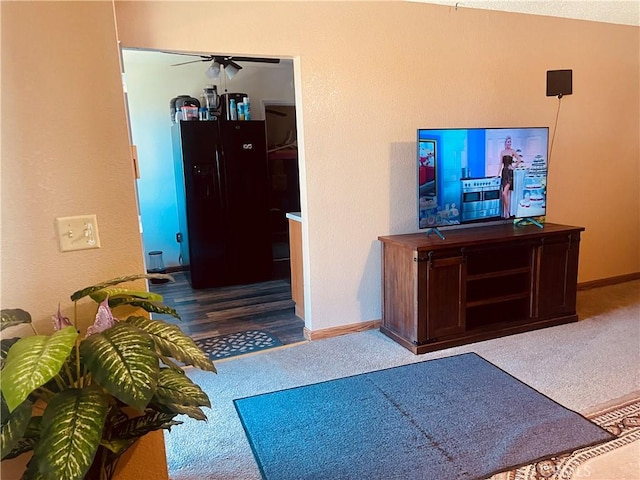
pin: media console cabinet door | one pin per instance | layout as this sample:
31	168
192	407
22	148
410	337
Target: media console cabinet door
399	294
557	275
443	287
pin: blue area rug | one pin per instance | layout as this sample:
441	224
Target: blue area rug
454	418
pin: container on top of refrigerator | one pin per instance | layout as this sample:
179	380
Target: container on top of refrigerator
190	112
172	106
210	101
178	111
233	112
247	108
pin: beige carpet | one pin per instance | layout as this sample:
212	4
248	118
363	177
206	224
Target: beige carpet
618	459
579	365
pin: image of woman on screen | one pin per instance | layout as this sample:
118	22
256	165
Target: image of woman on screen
509	160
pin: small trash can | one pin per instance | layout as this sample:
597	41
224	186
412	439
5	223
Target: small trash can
156	265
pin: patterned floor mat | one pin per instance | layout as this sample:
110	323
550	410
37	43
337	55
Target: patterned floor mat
239	343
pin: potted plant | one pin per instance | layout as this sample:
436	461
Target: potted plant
80	399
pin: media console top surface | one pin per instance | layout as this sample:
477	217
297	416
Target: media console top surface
473	235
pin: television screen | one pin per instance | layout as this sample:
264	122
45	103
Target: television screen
481	175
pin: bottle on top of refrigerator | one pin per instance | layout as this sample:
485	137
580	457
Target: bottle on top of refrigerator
210	101
233	113
247	108
241	111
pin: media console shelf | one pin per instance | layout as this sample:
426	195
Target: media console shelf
478	283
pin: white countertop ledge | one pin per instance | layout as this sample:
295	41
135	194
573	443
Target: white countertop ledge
297	216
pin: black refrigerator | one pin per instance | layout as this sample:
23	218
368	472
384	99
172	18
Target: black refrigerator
222	175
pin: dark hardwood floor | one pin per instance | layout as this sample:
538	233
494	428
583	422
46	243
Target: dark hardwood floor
218	311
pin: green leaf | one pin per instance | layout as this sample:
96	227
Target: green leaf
122	360
172	342
194	412
132	428
118	446
29	438
14	425
115	281
32	362
29	434
5	345
155	308
71	432
145	305
10	317
179	394
124	294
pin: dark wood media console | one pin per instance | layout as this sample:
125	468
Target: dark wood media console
478	283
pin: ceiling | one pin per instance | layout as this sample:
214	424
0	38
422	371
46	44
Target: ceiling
625	12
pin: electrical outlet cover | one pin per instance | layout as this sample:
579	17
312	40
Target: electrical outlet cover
77	233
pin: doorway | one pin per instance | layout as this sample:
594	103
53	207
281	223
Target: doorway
284	176
152	79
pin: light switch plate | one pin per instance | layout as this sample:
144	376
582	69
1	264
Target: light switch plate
77	233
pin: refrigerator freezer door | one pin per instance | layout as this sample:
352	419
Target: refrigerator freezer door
244	153
204	222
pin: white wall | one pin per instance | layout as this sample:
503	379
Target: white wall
151	83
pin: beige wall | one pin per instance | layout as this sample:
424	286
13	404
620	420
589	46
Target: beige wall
370	73
65	152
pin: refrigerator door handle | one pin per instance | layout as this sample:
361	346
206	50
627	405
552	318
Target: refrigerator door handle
222	196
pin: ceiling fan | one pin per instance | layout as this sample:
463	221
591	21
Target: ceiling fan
227	62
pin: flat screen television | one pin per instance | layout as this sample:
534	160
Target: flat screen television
472	176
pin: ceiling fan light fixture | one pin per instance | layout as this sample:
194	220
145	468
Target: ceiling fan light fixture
230	70
214	70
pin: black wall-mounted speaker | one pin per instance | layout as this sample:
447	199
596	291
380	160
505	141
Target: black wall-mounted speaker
559	82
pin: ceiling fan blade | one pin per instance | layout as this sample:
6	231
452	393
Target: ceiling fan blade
192	61
232	63
255	59
203	58
184	53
